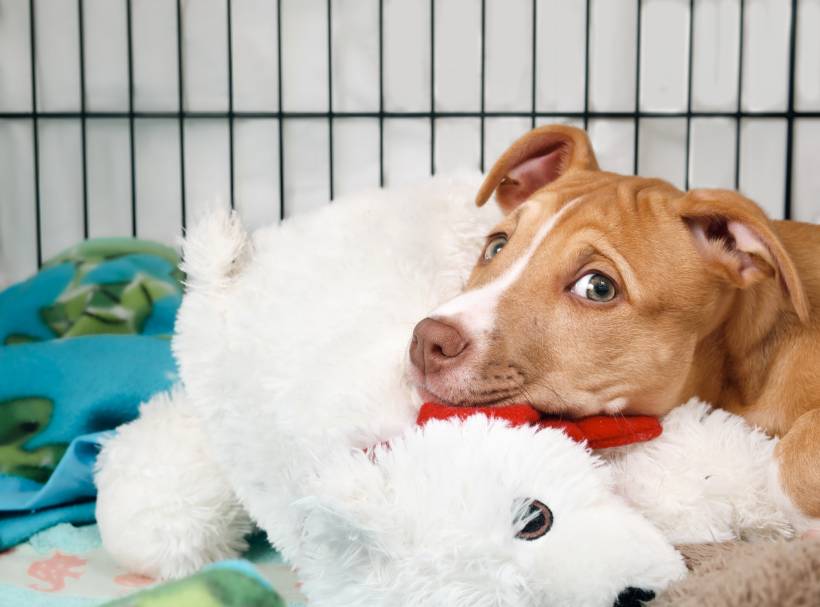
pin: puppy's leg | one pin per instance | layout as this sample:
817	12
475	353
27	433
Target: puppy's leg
164	508
795	477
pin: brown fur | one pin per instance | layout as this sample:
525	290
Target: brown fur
733	322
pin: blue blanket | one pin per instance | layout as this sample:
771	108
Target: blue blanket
82	344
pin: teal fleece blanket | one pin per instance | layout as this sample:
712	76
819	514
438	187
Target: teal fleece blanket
82	344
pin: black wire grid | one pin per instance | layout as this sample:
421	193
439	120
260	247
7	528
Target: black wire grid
180	115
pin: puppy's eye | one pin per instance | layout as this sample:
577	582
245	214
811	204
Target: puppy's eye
595	287
533	519
494	247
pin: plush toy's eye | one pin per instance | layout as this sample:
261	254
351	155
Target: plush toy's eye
494	247
535	517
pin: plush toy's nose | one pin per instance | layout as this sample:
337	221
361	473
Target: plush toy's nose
633	597
436	345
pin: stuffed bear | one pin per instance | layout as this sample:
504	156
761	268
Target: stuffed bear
292	340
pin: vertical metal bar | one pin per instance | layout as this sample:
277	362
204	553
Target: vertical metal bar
83	148
483	78
281	117
432	87
689	94
739	107
34	130
330	92
181	109
381	93
533	63
637	132
787	196
230	105
588	19
129	34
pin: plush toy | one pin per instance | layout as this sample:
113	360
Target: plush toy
477	512
291	345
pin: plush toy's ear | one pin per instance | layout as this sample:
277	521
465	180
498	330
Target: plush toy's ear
536	159
738	242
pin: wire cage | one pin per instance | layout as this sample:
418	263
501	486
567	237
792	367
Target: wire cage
127	117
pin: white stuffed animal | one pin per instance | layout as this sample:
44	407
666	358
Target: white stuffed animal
289	343
291	346
477	513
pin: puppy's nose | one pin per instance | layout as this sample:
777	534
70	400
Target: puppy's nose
435	345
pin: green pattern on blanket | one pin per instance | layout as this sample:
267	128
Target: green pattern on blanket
111	308
217	587
90	308
82	343
21	419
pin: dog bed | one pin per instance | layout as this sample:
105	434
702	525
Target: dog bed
739	574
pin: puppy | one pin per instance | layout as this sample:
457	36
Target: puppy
607	293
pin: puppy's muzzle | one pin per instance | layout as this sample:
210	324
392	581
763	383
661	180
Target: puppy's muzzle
436	346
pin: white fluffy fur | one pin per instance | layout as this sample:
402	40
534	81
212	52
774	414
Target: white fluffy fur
704	479
431	523
164	509
292	345
304	349
292	353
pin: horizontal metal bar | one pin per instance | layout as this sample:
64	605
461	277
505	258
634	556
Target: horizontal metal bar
194	115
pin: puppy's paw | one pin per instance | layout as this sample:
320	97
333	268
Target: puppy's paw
805	526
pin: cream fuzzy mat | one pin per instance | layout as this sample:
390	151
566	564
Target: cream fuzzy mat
739	574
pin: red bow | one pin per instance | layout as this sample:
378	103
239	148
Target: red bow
599	431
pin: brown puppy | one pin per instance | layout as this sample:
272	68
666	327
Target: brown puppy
608	293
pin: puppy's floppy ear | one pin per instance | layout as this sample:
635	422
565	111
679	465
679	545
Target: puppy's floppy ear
536	159
739	243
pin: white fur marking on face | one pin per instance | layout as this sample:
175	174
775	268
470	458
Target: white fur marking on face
616	405
476	309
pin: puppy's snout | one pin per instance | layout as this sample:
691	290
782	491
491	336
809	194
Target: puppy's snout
436	345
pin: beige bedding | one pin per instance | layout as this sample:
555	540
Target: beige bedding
739	574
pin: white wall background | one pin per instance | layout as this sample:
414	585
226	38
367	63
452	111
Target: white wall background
559	87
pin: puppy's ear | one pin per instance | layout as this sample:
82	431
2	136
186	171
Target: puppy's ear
536	159
739	243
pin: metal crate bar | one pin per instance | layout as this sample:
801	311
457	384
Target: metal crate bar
741	39
381	93
787	196
432	87
286	115
330	94
482	114
279	114
34	129
181	115
534	78
83	146
637	132
131	147
231	178
689	72
587	19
